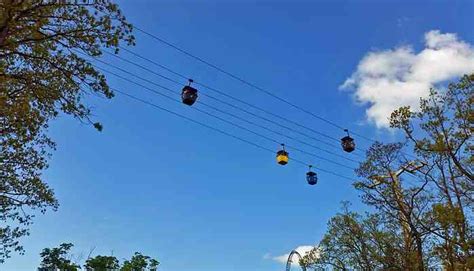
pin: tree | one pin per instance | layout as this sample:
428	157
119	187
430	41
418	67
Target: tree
402	201
356	242
43	73
444	141
57	258
423	201
139	262
103	263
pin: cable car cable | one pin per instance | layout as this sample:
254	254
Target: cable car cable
215	90
248	83
266	128
278	133
235	116
224	120
239	100
248	112
222	132
232	105
220	92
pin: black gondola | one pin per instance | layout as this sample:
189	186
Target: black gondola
282	156
311	177
189	94
347	142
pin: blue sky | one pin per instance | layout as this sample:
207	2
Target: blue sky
193	198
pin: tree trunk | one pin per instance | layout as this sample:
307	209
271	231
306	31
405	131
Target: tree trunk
4	22
419	252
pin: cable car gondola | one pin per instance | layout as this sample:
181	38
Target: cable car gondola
311	177
282	156
189	94
347	142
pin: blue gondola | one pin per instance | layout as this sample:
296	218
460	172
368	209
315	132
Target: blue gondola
311	177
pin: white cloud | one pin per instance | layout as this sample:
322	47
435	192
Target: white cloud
386	80
283	258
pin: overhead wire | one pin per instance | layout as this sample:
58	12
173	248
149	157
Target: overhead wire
233	115
237	99
217	117
222	131
219	110
169	44
240	118
250	84
246	83
221	93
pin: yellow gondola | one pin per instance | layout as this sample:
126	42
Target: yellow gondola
282	156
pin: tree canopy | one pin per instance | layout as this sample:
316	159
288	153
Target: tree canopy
140	262
42	74
59	258
422	199
102	263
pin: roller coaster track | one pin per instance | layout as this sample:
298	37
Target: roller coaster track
290	260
